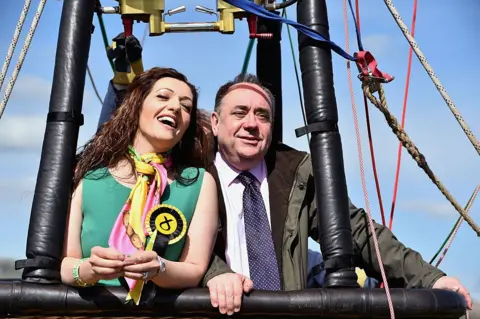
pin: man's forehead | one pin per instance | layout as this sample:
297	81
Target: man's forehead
251	87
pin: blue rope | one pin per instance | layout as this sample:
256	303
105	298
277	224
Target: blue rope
260	11
357	31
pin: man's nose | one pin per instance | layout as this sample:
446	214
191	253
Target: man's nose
250	121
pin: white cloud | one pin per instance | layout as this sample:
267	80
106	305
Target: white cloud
22	127
31	94
18	133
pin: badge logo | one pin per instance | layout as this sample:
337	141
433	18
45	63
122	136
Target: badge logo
166	220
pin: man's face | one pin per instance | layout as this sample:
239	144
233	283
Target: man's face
243	126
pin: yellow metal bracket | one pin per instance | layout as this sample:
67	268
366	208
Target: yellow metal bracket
153	12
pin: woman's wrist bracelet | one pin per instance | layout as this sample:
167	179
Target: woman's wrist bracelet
161	269
76	276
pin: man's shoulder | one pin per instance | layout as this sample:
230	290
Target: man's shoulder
282	149
282	157
284	153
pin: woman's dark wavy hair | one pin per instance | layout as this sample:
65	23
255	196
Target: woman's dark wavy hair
110	143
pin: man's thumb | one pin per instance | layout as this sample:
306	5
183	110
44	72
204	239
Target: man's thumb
247	284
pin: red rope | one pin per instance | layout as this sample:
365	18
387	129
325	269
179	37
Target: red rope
370	139
404	111
374	165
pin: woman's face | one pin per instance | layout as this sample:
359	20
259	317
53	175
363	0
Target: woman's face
165	115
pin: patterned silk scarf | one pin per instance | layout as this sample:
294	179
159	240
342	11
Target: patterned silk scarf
128	233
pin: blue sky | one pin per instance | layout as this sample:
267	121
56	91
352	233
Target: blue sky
445	33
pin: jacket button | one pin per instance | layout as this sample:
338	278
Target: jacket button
301	186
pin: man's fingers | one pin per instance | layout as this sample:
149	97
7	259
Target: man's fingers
222	302
237	294
229	289
247	285
469	301
463	291
212	288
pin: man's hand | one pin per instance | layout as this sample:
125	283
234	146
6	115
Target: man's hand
226	291
126	55
450	283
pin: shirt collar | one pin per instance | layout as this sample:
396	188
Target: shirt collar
229	173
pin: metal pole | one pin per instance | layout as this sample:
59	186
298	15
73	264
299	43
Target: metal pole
54	181
326	148
269	68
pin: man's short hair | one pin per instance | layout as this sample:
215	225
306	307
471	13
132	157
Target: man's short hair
243	78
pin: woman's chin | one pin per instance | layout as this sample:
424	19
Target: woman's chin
163	142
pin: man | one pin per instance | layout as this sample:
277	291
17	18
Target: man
316	270
242	122
264	229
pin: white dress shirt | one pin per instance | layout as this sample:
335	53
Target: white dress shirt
232	190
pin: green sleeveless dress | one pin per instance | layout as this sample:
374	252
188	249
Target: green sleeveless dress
103	198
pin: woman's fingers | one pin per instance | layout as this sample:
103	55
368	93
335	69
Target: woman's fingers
134	275
107	272
100	262
150	266
107	253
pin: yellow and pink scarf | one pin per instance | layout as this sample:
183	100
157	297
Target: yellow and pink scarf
129	232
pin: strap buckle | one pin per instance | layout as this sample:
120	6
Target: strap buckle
368	68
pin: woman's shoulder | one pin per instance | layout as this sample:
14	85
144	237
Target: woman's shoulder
192	173
97	173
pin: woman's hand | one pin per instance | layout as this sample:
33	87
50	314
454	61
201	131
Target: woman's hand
105	263
143	265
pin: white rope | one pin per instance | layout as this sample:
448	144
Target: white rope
13	44
432	75
21	58
93	85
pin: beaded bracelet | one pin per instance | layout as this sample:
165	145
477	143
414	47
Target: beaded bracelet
76	276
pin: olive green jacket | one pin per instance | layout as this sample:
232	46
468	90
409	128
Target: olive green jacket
294	220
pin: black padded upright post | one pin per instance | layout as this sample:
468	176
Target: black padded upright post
326	147
269	68
54	181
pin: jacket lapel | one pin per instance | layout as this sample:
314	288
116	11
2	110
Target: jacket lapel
278	201
282	162
220	244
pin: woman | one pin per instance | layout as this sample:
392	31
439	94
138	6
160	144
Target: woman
145	155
